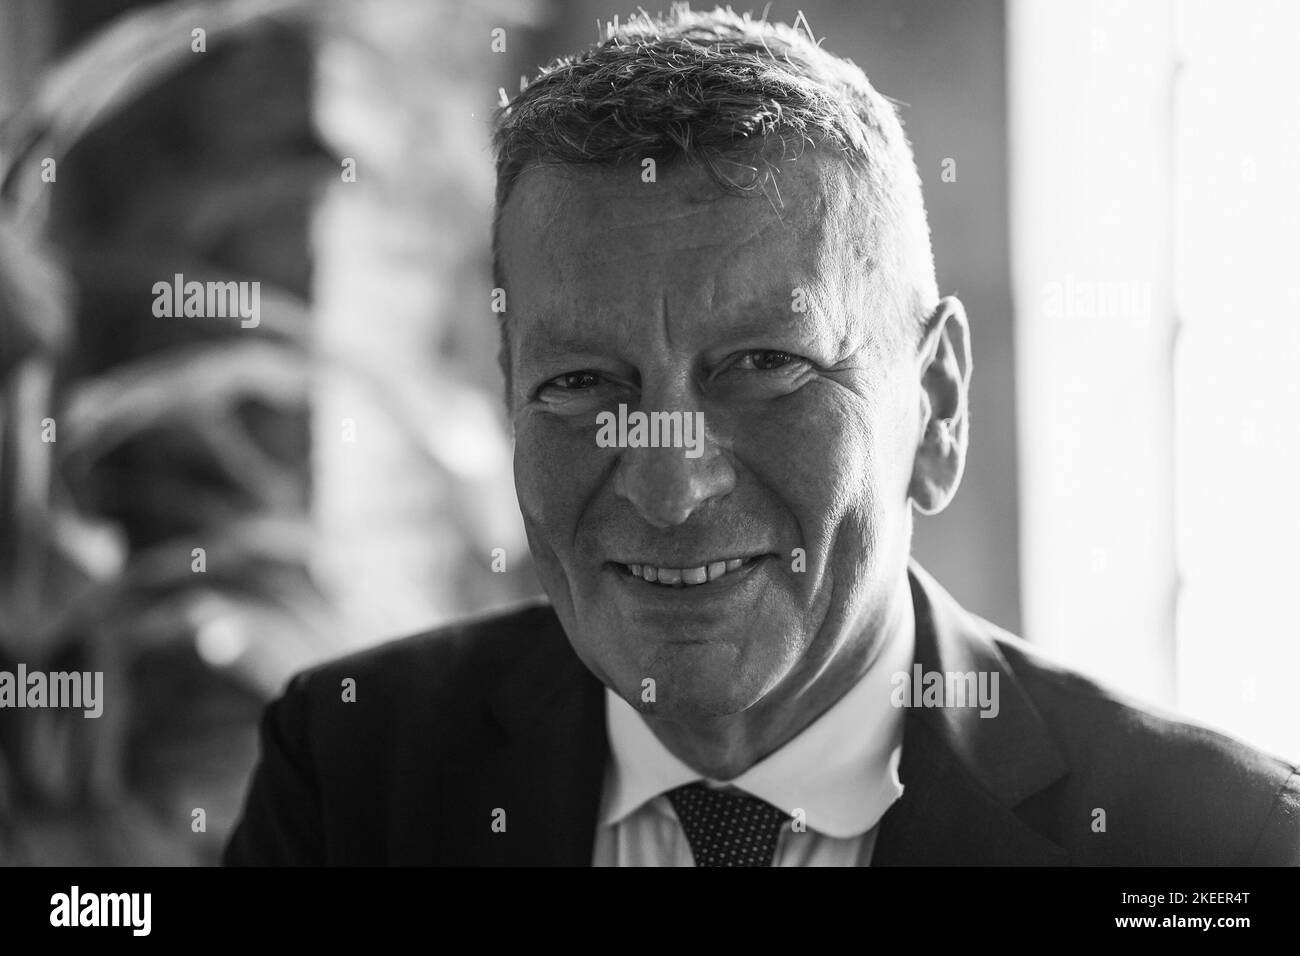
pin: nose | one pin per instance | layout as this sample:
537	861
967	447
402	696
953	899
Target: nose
666	487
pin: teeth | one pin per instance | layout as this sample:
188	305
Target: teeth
684	577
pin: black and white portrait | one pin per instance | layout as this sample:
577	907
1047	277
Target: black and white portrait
550	434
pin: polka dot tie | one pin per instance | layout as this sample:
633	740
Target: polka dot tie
726	827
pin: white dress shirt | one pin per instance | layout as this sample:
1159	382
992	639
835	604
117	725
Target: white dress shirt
841	771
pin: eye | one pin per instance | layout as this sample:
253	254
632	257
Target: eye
574	381
759	374
766	360
577	390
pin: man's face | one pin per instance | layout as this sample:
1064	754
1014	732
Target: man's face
676	297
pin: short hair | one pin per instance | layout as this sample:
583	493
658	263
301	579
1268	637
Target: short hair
718	89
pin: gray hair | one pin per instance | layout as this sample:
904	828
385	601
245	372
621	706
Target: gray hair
719	90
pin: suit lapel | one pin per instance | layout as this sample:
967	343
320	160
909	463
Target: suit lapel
944	818
964	774
546	767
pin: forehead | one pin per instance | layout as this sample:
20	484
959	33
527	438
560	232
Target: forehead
574	233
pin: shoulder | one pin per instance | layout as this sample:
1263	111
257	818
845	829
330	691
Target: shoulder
362	747
465	654
1186	783
434	685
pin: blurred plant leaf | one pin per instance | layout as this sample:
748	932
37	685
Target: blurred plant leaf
35	297
206	424
194	385
136	52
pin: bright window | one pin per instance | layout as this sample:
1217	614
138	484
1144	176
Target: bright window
1155	153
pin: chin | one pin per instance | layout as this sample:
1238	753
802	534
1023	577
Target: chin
693	709
700	681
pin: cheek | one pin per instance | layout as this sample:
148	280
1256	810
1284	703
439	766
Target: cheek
557	466
824	453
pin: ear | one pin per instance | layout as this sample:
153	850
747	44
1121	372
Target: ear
944	366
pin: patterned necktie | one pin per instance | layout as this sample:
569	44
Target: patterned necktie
727	828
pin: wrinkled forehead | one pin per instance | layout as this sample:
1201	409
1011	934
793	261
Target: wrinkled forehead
565	228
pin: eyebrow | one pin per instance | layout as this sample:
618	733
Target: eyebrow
771	309
763	306
542	348
750	317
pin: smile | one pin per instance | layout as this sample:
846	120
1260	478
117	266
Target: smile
687	577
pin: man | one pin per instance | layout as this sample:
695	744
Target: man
732	379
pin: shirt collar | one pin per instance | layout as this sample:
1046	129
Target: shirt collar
841	770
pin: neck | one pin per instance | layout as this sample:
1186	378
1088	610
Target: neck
722	748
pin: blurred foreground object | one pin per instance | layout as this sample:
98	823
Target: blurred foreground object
129	441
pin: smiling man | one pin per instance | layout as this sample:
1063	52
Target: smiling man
708	219
676	296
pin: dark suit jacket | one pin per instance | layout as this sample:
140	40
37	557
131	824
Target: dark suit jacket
449	726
